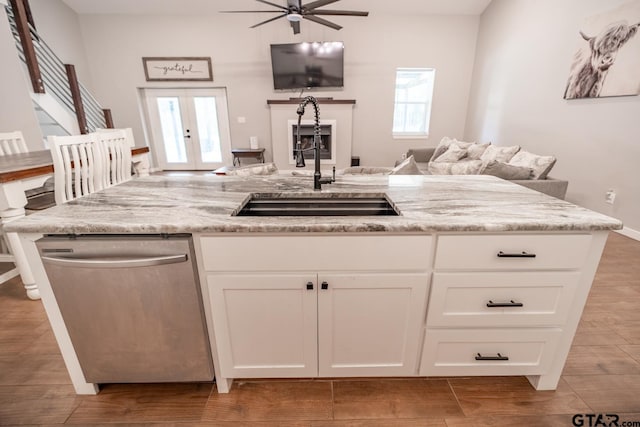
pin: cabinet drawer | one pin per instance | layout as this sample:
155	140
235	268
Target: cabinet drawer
456	351
512	252
501	299
314	253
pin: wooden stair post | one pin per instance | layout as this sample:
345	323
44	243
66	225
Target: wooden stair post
22	23
108	119
77	98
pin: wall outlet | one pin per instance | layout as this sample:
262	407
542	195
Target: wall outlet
610	197
404	156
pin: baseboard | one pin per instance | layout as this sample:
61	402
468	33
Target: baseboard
629	232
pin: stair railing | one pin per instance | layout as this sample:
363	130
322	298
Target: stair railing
49	74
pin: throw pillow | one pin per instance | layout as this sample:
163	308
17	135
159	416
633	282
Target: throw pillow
501	154
475	151
541	165
407	167
505	170
444	144
453	154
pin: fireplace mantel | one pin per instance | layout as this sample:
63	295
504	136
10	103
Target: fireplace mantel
336	111
320	100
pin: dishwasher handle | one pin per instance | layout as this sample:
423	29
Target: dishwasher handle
114	262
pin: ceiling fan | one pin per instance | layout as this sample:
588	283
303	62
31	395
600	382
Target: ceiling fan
295	11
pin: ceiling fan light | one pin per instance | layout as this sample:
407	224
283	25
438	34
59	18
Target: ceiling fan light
294	17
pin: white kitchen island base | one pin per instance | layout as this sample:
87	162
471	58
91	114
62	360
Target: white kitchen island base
359	305
476	276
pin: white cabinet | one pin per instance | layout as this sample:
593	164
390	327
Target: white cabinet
507	304
304	306
445	304
370	324
273	325
265	325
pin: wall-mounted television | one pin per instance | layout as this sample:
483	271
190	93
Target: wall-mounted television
307	65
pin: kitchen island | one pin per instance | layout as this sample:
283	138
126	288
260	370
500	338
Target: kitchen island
476	276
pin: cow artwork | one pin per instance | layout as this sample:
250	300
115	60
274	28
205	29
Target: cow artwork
591	64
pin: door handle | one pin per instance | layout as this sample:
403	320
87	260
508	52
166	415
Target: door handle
114	262
187	135
497	357
523	254
511	303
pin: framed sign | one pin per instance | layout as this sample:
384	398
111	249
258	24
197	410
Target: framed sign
169	69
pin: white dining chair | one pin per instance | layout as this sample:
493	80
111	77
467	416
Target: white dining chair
78	165
117	144
10	143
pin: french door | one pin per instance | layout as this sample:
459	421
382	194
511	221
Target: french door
189	128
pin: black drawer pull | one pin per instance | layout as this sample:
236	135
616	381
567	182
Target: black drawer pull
520	255
310	286
498	357
511	303
324	285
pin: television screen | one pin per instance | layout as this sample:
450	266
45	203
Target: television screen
307	65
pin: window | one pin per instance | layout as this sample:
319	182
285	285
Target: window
412	109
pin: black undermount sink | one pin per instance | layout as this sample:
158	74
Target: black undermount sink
329	204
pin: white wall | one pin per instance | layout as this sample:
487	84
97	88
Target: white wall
16	108
374	47
524	52
60	29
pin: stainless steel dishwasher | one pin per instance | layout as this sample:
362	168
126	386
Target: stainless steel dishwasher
132	305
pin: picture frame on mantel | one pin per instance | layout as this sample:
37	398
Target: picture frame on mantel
171	69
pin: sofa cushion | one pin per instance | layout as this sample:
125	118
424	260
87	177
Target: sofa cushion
501	154
475	151
454	153
505	170
407	167
444	144
465	167
541	165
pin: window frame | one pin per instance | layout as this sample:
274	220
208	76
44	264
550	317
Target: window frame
428	104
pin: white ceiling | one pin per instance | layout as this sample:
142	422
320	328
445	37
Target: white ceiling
199	7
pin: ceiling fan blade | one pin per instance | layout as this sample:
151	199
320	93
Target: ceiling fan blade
321	21
318	3
272	4
296	27
268	20
337	12
251	11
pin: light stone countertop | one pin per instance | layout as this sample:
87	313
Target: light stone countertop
205	203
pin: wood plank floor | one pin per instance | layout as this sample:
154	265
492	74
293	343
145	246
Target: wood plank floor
602	375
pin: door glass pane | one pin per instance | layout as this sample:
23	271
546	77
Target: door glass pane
208	132
172	136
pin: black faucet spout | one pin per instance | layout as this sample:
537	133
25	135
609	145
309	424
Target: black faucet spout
318	180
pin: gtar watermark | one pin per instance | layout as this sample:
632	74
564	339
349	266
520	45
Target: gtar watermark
601	420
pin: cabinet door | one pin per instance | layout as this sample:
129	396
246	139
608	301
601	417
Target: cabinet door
265	324
370	324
